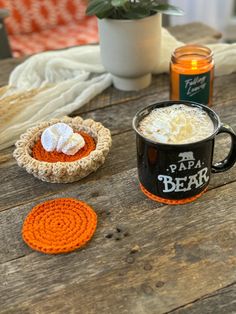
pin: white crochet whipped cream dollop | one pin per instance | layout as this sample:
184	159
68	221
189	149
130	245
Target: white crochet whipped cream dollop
176	124
60	137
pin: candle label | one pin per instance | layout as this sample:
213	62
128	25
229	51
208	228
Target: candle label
195	87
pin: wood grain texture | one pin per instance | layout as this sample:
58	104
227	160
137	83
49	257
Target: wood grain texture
222	301
34	191
185	253
145	257
190	35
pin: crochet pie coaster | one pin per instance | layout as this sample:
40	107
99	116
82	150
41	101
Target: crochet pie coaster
39	153
57	167
59	226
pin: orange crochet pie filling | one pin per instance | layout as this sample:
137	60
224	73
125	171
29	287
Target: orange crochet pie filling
59	226
169	201
41	154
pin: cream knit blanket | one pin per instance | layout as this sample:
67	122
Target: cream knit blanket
54	84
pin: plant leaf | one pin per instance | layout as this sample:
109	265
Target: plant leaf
118	3
168	9
137	13
100	8
129	9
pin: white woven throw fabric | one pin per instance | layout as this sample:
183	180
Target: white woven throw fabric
66	83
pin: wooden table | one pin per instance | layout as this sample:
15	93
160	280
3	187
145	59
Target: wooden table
145	257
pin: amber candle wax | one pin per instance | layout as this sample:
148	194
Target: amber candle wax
192	74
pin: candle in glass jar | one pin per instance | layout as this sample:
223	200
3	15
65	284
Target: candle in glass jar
192	74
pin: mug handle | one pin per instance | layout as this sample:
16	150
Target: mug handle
229	161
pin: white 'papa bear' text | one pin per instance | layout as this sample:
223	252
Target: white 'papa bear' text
186	183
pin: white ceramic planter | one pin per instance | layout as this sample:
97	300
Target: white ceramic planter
130	49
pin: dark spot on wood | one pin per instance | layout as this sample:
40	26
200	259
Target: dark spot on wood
193	258
126	234
160	284
130	259
147	266
108	213
190	253
117	237
121	273
120	228
147	289
103	214
109	235
95	194
178	249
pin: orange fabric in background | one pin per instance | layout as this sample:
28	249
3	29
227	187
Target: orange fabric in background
38	25
27	16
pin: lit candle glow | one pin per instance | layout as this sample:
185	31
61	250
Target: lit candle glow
192	74
194	64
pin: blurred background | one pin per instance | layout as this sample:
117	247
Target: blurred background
220	14
33	26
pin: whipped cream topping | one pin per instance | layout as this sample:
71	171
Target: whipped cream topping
61	138
176	124
74	144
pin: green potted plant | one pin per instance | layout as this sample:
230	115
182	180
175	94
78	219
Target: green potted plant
130	38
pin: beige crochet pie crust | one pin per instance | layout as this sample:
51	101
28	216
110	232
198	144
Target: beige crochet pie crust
63	172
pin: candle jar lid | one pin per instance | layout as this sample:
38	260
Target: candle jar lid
190	55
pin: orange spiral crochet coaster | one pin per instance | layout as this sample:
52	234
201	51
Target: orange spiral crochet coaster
41	154
59	226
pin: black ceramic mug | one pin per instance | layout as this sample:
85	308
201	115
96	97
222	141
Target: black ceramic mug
179	173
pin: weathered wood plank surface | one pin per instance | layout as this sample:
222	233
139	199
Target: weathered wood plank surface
208	34
91	188
222	301
189	250
186	254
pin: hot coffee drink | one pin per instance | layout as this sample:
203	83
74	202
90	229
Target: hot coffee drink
176	124
175	145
